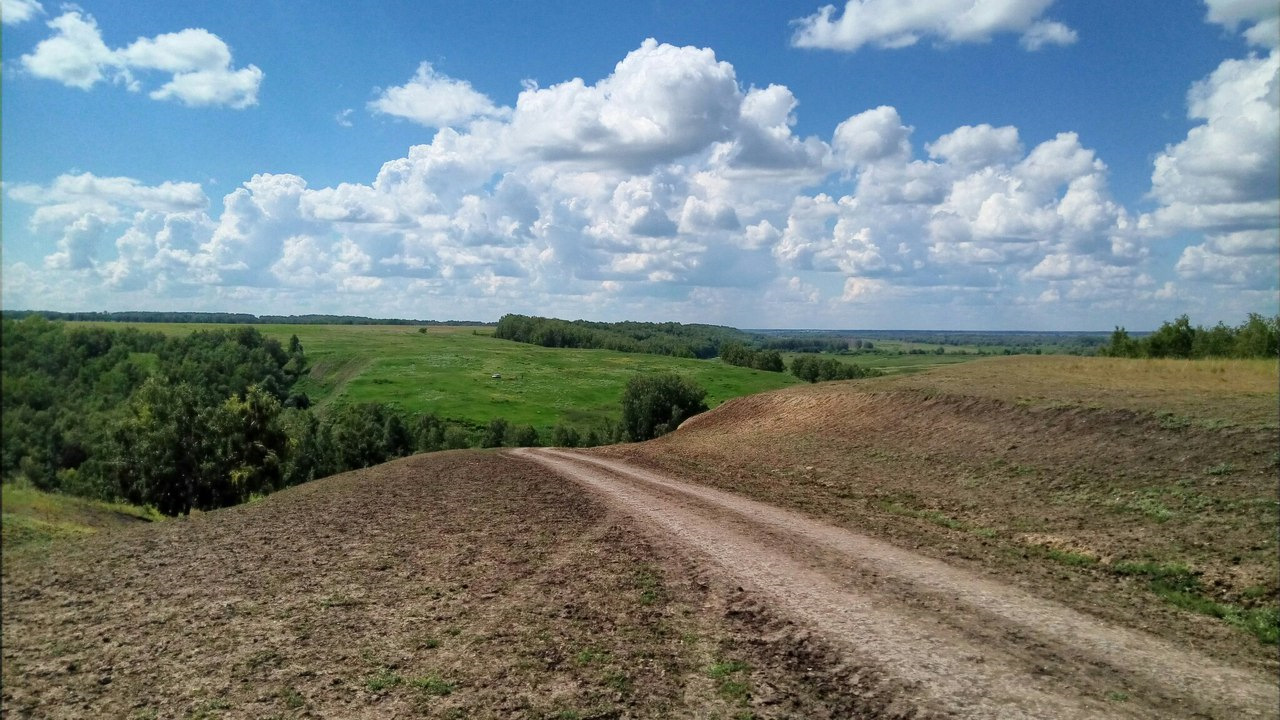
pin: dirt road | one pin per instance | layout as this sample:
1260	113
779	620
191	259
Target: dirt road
957	644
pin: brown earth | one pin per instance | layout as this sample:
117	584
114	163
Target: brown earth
1053	497
460	584
963	645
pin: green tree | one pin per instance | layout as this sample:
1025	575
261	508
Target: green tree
161	449
250	449
1258	337
653	405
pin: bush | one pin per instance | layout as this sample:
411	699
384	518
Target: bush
815	369
495	435
654	405
523	436
565	436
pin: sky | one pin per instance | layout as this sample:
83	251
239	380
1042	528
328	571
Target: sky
892	164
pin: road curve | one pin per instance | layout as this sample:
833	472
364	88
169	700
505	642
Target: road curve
958	644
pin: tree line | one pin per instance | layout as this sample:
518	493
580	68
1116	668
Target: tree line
223	318
1256	337
673	339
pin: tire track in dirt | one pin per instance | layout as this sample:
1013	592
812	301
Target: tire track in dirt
968	646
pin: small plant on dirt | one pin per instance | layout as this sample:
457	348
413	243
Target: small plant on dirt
261	658
650	586
1220	469
432	685
1117	696
291	698
730	682
382	680
618	681
330	601
208	708
589	656
1068	557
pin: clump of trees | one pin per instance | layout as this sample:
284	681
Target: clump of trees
816	369
741	355
123	413
1256	337
653	405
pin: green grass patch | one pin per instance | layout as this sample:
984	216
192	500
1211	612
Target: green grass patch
383	679
933	516
32	516
432	685
650	586
1069	557
730	679
1180	586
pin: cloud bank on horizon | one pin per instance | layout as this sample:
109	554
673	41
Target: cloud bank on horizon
671	188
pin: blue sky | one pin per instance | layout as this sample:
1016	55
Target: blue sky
983	164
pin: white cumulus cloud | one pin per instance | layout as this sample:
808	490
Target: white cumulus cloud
436	100
197	62
13	12
902	23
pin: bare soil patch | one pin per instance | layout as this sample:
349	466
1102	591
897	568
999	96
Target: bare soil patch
1062	499
950	641
461	584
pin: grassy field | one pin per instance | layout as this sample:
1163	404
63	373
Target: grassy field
448	371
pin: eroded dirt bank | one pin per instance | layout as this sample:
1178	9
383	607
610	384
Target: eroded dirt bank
949	641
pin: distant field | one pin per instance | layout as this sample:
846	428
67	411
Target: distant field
1207	392
448	371
895	364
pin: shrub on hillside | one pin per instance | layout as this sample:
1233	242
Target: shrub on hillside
813	369
653	405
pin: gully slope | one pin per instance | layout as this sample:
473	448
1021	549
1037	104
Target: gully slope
953	642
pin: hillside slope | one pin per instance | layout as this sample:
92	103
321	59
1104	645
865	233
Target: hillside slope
462	584
1152	506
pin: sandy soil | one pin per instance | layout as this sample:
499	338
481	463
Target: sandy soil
950	641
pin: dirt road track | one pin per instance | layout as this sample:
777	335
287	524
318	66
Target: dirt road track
958	644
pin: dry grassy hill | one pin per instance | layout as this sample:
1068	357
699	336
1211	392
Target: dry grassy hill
1140	491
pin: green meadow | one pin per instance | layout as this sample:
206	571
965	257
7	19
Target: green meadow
449	371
